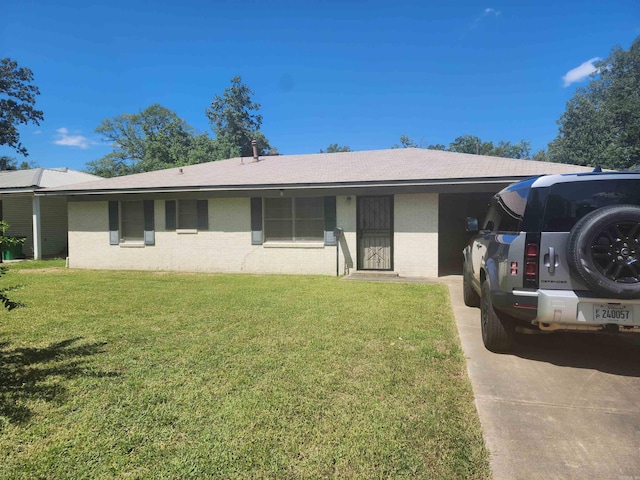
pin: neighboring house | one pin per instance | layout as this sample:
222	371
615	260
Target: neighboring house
400	210
42	220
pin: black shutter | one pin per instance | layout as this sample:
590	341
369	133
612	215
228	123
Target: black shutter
149	229
203	214
114	235
256	221
330	237
170	215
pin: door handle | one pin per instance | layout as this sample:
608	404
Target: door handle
552	260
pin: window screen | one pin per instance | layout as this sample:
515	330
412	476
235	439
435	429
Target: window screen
132	223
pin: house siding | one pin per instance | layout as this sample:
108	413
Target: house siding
415	240
53	224
226	247
17	212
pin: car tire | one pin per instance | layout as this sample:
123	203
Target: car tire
497	329
603	250
470	296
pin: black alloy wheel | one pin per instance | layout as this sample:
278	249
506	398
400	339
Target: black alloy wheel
603	249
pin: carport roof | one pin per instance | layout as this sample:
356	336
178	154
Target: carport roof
12	181
395	167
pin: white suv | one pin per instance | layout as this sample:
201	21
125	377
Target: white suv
557	252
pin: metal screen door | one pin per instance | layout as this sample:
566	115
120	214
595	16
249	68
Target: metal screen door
375	233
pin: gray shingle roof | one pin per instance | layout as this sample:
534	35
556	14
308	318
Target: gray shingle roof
376	167
36	178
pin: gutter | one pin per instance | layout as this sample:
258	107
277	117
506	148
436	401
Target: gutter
28	190
287	186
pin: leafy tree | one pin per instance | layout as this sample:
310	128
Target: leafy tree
474	145
541	156
470	144
407	142
10	163
203	149
437	146
17	102
335	148
24	165
521	149
4	298
153	139
601	123
235	122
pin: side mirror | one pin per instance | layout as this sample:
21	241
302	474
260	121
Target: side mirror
472	225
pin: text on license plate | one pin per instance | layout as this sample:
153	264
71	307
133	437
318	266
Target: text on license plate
612	313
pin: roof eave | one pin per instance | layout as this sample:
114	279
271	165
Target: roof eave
288	186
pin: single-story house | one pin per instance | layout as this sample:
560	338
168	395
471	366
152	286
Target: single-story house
398	210
42	220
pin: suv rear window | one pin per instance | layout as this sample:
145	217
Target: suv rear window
569	202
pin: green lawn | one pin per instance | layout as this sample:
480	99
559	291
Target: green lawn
108	374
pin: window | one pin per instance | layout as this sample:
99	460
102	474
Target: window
187	214
500	217
297	219
569	202
131	222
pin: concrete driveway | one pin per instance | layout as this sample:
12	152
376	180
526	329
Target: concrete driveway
560	406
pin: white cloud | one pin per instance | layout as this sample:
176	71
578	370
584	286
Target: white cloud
487	12
66	140
581	72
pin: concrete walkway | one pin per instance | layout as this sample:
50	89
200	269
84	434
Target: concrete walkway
561	406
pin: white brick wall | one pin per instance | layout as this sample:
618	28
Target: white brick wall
226	246
415	241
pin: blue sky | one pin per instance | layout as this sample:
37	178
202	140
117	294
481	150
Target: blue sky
347	72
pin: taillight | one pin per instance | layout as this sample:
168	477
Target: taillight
531	260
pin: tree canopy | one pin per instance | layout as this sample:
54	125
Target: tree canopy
10	163
156	137
153	139
235	122
474	145
17	103
335	148
601	123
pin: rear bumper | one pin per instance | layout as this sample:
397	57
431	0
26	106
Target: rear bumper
566	307
521	305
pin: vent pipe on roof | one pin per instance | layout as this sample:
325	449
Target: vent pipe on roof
254	145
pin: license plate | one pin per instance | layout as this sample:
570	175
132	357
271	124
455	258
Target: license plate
612	314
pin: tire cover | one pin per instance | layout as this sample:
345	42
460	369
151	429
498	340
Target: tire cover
603	249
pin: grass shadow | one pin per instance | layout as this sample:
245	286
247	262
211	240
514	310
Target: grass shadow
35	373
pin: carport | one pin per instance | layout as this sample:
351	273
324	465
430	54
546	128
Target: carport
453	209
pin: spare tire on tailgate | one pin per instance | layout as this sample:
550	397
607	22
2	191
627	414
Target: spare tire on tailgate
603	249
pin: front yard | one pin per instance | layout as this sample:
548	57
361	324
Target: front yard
165	375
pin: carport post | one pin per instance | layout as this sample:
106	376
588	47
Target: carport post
37	240
338	233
